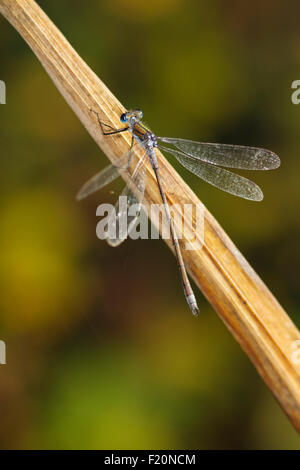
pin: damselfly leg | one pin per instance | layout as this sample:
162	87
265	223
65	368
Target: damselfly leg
112	130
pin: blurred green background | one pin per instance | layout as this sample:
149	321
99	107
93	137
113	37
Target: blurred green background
102	351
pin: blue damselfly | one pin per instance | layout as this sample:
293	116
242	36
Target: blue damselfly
203	159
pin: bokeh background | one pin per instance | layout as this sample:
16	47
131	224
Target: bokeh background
102	351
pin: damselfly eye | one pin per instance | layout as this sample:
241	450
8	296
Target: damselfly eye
139	113
123	117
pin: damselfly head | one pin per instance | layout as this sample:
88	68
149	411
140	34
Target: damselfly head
135	114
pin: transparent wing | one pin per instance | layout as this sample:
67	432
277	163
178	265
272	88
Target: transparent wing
104	177
123	220
232	156
219	177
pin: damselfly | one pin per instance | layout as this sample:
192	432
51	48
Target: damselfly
203	159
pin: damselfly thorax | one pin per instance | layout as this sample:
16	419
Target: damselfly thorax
146	138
